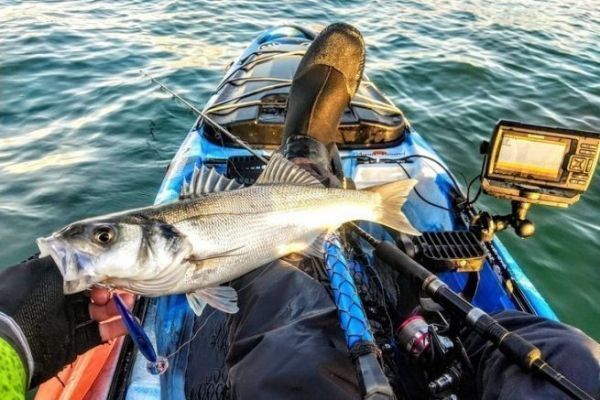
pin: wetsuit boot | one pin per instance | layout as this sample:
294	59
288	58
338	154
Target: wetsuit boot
328	76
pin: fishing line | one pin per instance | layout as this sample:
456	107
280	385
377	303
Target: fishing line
206	118
190	340
60	380
187	342
209	121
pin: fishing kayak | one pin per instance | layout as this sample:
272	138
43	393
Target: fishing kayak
376	145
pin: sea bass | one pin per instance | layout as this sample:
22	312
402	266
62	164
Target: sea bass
216	232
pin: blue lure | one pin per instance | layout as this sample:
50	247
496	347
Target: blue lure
156	364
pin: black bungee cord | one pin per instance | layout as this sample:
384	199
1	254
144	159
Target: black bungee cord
514	347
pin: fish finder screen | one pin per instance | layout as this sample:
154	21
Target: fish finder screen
539	164
531	155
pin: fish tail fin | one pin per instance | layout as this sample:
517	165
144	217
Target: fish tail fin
389	210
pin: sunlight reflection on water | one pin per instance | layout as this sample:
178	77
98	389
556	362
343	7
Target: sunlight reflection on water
48	161
82	133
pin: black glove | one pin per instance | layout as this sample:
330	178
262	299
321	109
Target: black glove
57	327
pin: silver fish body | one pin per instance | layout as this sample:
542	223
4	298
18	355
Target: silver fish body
234	232
196	244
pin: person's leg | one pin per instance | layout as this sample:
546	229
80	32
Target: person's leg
567	349
286	341
325	81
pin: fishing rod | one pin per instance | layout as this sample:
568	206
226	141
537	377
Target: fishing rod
201	113
513	346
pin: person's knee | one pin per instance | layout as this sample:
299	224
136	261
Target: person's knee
565	348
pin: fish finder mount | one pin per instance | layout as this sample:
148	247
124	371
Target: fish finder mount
532	164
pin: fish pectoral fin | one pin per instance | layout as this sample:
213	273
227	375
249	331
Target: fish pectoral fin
222	298
196	304
281	170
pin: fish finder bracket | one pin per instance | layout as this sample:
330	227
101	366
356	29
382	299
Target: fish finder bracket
532	164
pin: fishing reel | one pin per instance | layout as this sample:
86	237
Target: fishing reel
433	347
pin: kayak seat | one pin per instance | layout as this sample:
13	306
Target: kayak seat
251	102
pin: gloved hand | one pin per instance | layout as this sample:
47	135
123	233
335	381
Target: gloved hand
56	327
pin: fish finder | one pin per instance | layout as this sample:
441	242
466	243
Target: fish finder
539	165
532	164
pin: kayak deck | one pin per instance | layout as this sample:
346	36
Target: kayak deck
251	103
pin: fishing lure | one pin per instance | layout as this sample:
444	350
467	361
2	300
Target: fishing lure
156	364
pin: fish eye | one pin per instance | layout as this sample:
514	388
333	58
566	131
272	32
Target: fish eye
104	234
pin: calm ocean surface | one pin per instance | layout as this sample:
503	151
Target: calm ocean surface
83	133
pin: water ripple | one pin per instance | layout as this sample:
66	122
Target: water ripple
81	132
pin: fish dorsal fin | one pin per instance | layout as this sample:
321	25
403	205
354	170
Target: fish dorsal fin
206	180
281	170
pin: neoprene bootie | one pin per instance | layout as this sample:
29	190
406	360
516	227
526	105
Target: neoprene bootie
326	79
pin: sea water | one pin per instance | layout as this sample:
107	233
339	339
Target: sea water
82	132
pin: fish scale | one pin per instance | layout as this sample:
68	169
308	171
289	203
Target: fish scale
208	238
254	235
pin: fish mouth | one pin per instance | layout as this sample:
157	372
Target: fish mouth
72	264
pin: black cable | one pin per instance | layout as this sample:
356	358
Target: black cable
433	343
460	207
464	356
464	178
437	162
423	198
469	202
442	166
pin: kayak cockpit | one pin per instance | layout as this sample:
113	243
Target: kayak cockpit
251	102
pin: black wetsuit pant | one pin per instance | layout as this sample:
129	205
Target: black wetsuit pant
285	343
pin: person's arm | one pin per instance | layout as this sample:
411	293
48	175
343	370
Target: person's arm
42	330
13	375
